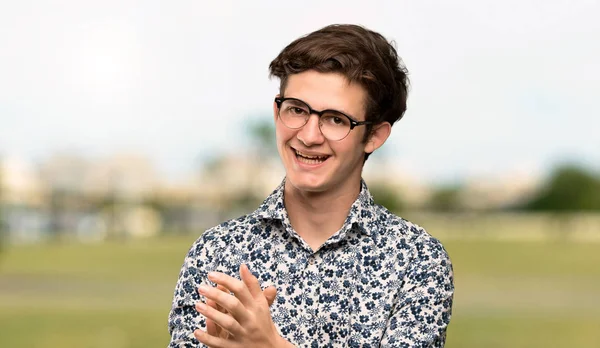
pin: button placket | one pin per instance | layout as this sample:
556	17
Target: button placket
313	310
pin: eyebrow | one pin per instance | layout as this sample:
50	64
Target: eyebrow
332	109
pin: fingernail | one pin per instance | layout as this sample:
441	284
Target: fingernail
201	306
203	289
213	275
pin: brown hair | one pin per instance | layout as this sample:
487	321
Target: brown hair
362	56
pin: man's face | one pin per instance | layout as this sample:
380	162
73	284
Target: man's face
339	163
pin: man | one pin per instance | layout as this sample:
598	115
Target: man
342	270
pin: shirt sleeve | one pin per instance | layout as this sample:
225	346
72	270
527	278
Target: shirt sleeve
183	317
424	306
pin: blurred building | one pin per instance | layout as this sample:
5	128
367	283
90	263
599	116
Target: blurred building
124	196
69	196
228	178
502	191
397	179
20	183
22	198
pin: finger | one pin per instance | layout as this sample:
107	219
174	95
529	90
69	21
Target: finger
270	294
231	304
215	330
238	287
225	290
212	328
209	340
213	304
225	321
251	282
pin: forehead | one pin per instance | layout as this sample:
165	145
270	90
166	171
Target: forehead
327	91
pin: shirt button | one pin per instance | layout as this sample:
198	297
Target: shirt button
311	260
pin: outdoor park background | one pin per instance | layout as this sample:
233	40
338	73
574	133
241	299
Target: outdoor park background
127	128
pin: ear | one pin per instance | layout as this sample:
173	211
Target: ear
275	109
378	136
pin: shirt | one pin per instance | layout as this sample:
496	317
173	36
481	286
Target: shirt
380	281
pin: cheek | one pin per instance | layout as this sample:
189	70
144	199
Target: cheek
283	138
280	136
350	148
282	132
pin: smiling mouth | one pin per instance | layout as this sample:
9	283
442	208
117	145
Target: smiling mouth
307	159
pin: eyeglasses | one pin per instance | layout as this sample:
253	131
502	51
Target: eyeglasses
334	125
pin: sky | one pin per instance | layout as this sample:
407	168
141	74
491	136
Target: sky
496	86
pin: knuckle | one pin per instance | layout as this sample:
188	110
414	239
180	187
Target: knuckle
228	322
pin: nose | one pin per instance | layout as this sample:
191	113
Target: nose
311	134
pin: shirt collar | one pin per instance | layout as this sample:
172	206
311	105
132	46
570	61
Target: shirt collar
362	212
273	207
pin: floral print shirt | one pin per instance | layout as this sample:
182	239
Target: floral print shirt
380	281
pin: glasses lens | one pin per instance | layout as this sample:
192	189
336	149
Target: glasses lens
294	113
335	126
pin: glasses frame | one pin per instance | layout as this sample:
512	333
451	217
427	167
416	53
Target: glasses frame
353	122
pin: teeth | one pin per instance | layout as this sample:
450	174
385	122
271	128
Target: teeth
309	161
321	158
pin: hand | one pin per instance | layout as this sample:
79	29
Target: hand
213	329
248	322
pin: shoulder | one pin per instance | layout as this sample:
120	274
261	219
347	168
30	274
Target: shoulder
405	234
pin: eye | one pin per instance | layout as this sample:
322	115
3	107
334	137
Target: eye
337	120
297	110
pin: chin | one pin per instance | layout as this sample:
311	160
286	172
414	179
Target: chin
307	183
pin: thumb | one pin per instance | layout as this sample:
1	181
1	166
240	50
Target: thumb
270	294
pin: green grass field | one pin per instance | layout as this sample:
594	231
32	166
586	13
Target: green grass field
508	294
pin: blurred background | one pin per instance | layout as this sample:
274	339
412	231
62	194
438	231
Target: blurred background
129	127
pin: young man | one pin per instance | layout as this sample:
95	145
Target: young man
336	269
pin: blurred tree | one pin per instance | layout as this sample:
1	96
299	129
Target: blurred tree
212	163
246	200
262	136
386	196
263	147
570	188
445	199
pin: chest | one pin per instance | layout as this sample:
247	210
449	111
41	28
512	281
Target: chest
335	297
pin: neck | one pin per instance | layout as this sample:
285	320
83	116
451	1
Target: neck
316	216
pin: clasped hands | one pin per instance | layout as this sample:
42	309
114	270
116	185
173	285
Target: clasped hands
241	319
